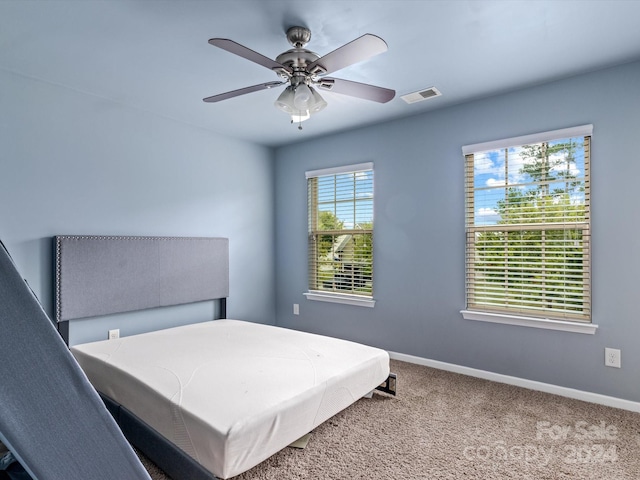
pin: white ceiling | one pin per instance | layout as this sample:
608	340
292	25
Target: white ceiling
153	55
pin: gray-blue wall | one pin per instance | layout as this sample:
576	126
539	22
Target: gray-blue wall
419	234
73	163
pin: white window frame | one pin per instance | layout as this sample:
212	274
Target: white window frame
479	314
329	296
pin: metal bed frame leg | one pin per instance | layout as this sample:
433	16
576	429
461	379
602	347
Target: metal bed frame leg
389	385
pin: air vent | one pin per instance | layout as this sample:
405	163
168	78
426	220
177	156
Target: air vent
421	95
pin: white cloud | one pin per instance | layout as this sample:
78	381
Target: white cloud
485	212
562	167
487	216
494	182
483	164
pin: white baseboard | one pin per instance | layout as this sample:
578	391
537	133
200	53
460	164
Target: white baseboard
521	382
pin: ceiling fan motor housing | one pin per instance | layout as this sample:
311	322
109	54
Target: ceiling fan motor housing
298	36
298	58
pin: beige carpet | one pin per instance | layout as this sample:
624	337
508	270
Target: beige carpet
448	426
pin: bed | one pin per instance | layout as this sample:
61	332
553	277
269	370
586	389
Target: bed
210	399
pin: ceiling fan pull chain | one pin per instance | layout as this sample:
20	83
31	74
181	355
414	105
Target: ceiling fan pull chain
299	122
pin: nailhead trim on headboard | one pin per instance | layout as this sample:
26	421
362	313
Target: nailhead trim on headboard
94	266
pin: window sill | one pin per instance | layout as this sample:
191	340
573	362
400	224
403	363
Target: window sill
575	327
340	298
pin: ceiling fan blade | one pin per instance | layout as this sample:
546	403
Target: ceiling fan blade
242	91
356	51
355	89
244	52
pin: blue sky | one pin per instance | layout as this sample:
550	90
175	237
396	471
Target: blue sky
350	197
495	169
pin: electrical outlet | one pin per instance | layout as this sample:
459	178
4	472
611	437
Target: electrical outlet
296	309
612	357
113	334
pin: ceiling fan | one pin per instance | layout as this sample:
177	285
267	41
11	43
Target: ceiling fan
303	71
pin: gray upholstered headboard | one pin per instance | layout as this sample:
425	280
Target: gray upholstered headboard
100	275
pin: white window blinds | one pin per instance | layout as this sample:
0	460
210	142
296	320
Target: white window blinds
340	207
528	226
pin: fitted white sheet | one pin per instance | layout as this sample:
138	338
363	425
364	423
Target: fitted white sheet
232	393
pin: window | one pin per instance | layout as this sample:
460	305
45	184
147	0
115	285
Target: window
528	230
340	206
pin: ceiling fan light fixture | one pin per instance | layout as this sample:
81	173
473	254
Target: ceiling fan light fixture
302	111
319	103
285	101
303	97
300	116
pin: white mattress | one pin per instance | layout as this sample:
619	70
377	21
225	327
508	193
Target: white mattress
232	393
